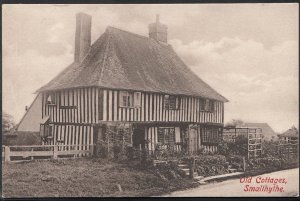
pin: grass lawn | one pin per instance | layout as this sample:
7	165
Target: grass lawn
83	177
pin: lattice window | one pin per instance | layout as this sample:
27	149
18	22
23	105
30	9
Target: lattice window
126	99
207	105
172	102
166	136
210	135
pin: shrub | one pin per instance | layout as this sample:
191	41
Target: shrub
272	160
239	147
25	138
209	165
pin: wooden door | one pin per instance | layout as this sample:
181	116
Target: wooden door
192	140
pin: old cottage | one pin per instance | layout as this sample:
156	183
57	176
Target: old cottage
130	82
291	136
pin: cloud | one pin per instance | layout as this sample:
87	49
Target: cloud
24	74
246	52
261	83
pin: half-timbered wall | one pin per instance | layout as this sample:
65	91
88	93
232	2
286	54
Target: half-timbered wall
72	113
72	106
76	136
92	105
152	109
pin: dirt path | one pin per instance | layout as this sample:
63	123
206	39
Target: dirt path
234	187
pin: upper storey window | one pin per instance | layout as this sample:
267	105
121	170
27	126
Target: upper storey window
130	99
51	99
207	105
171	102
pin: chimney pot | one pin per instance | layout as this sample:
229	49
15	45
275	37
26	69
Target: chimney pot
82	36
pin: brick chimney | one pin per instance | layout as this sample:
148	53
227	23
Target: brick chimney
82	36
158	31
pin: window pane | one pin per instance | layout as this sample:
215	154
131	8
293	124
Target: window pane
212	106
166	136
202	104
206	105
172	102
129	102
166	102
178	103
137	99
124	101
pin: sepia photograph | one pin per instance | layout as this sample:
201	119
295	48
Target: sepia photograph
150	100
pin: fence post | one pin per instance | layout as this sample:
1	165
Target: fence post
7	154
55	150
140	153
244	163
192	166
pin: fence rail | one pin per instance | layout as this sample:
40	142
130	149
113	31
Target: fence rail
288	149
23	153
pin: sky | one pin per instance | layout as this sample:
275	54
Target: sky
246	52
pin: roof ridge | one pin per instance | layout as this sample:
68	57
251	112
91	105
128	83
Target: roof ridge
122	30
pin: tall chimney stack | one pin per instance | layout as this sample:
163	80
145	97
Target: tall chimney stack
158	31
82	36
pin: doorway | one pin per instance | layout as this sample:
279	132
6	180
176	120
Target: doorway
138	138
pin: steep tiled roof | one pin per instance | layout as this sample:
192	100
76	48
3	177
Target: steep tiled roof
266	129
123	60
292	132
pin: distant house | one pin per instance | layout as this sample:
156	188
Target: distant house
32	118
134	81
267	131
290	136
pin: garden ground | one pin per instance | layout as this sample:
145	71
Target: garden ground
84	177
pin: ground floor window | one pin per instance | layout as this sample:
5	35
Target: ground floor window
166	135
210	135
46	130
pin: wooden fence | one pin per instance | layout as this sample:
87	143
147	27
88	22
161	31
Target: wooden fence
288	150
24	153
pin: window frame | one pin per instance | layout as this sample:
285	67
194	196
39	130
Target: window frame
137	96
207	105
210	135
168	135
174	105
52	97
129	99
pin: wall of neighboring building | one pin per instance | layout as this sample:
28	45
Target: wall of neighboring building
33	116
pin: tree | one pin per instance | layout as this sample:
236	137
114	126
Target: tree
7	122
234	123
